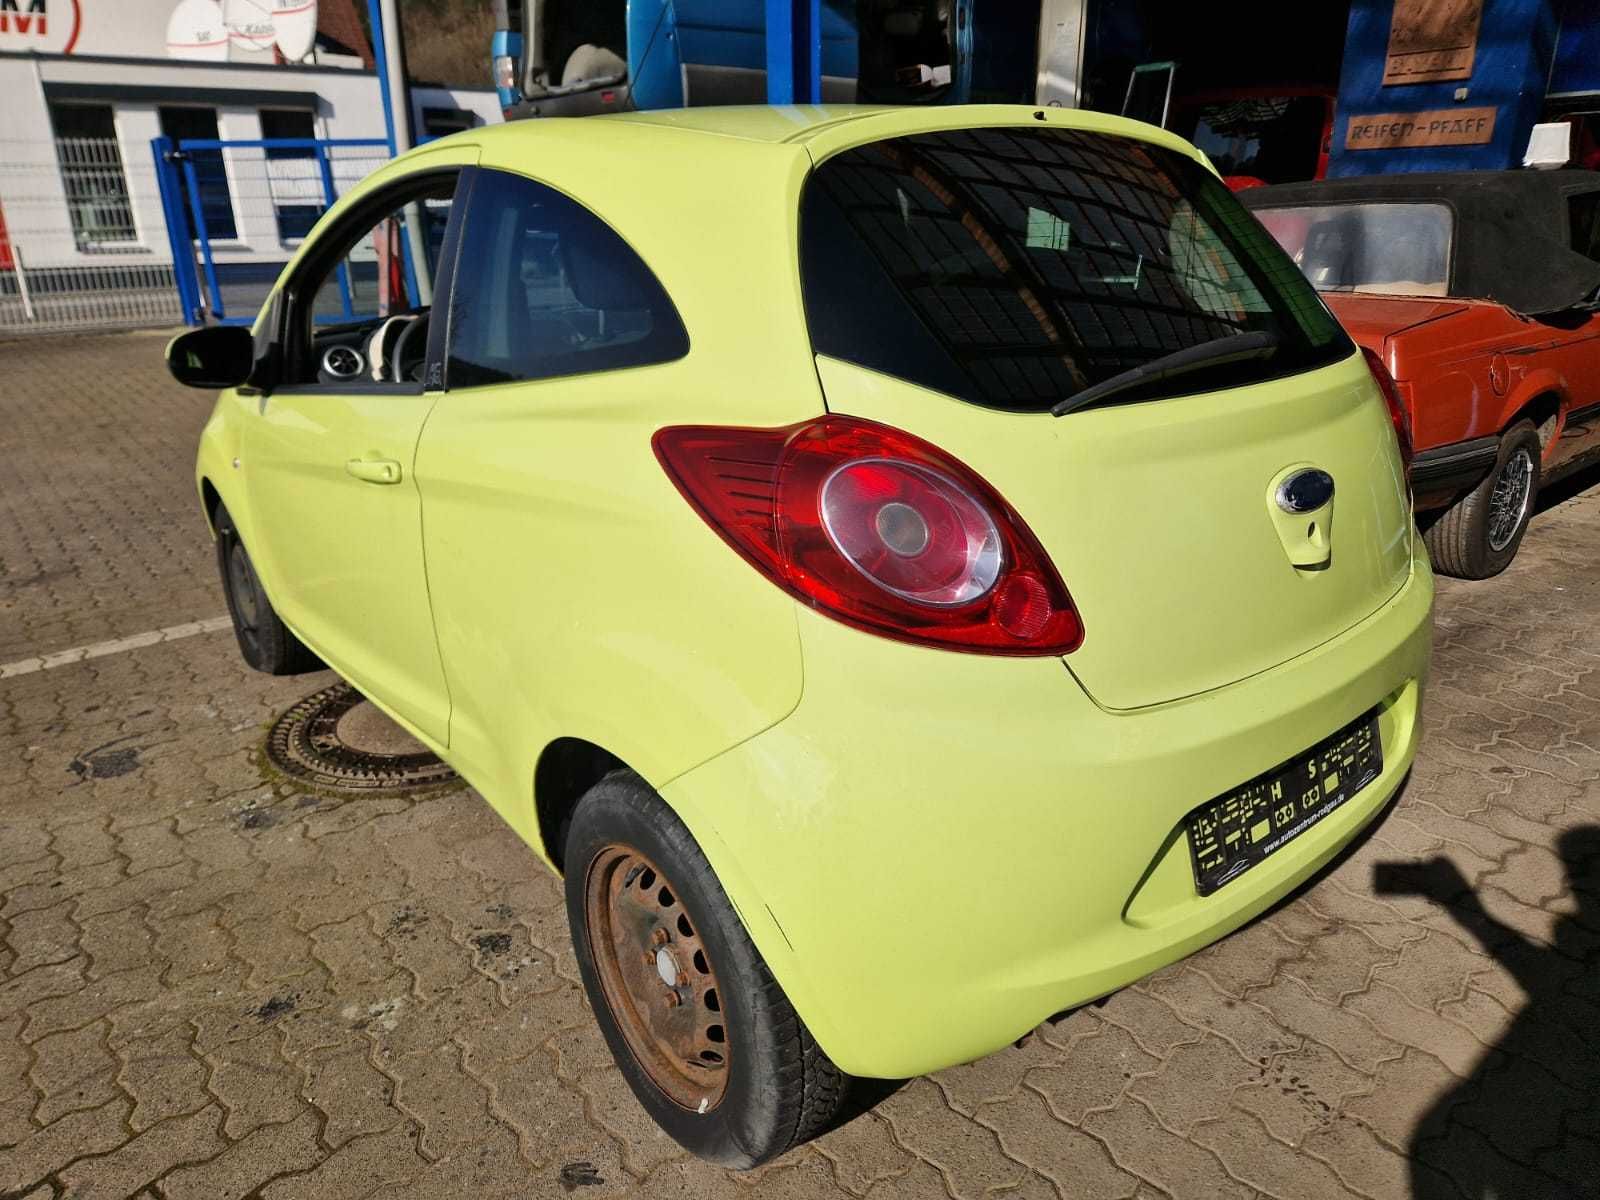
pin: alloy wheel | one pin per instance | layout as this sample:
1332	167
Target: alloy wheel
1508	503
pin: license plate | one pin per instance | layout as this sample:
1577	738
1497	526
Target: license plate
1231	834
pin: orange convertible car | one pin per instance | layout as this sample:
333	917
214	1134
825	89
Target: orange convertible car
1477	291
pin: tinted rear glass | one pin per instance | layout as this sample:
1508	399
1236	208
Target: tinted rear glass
1015	267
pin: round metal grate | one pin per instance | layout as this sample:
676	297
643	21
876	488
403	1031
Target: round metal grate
336	739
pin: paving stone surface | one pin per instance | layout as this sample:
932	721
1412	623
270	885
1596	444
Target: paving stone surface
214	984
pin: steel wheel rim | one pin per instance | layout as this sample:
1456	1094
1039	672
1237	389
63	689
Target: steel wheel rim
246	602
639	933
1508	503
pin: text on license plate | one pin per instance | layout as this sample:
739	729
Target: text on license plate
1231	834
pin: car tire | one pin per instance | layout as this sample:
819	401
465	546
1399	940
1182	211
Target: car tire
1478	536
646	908
264	640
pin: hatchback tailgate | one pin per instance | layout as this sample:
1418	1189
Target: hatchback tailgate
1163	521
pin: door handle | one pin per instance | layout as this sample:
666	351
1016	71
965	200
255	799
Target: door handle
374	470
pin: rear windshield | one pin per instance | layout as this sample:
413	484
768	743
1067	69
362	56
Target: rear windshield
1015	267
1402	249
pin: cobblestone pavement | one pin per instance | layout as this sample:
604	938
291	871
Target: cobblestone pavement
212	985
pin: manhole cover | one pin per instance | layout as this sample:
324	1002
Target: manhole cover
336	739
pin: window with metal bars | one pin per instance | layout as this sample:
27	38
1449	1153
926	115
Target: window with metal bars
92	175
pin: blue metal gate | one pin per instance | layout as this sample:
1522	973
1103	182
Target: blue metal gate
236	210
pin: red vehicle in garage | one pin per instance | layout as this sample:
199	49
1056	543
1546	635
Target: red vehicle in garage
1477	292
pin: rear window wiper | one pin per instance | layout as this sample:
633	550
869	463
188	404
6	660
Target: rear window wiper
1237	347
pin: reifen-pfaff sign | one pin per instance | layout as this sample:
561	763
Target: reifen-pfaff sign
45	26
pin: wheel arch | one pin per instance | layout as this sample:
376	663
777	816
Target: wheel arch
1541	399
210	501
567	768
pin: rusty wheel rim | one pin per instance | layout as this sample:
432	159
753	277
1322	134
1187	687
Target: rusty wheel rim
657	977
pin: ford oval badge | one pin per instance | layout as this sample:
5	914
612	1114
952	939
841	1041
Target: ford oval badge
1305	491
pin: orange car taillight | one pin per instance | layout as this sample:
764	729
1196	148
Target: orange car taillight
1397	408
878	529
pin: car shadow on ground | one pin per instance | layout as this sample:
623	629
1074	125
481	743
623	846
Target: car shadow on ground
1525	1122
1563	490
1549	496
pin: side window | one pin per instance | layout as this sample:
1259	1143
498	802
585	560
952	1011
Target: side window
376	277
543	287
1583	214
359	315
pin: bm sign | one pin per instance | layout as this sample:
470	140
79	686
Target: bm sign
50	26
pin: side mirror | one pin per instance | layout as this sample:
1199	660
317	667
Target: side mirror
218	356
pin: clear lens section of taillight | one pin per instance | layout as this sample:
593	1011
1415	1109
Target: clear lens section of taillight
912	531
878	529
505	71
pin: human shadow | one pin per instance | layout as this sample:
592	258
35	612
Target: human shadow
1526	1122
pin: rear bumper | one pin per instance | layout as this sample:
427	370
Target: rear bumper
936	851
1444	472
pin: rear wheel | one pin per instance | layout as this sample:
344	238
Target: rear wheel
700	1029
264	641
1479	535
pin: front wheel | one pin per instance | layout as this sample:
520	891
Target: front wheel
265	642
1479	535
702	1032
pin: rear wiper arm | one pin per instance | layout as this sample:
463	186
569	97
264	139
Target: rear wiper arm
1236	347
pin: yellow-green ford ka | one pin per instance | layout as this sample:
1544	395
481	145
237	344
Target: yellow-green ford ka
912	571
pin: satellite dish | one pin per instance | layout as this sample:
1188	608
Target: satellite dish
196	31
250	24
296	23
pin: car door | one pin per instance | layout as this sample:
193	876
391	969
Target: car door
560	609
328	461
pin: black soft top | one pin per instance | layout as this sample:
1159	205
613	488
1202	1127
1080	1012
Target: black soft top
1512	241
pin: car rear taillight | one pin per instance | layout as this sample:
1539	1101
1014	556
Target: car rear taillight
877	529
1397	407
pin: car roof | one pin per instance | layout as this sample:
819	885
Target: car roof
820	128
762	123
753	122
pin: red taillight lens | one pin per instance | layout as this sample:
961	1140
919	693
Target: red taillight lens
878	529
1397	408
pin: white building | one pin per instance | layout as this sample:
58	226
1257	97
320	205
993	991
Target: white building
87	85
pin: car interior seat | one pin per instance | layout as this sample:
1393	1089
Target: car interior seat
1327	254
606	278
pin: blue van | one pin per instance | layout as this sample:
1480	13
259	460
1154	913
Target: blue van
579	57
